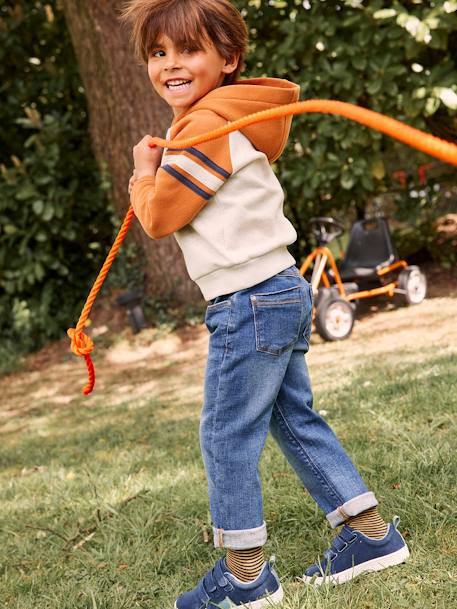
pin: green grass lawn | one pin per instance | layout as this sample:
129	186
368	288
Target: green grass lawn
105	507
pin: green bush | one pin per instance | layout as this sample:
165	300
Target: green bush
56	222
419	213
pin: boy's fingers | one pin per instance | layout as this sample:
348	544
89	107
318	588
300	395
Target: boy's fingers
146	139
144	144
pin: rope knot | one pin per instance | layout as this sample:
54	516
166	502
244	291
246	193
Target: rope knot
81	344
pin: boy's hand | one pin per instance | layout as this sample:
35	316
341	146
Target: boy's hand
147	160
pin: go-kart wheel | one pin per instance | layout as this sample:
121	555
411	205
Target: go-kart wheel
334	319
412	285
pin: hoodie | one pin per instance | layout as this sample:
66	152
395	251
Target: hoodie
221	199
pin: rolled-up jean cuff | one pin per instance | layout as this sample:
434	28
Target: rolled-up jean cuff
242	539
351	508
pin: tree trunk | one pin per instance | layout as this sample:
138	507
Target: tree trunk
123	107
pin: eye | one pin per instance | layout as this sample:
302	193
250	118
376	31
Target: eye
154	52
189	50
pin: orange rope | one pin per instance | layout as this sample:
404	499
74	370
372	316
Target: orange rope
81	344
413	137
446	151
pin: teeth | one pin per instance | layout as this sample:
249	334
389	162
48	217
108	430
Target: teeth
176	82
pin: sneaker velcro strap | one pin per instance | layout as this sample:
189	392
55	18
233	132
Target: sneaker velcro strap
208	584
343	539
347	535
219	576
203	594
339	544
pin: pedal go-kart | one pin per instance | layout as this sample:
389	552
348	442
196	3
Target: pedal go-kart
370	267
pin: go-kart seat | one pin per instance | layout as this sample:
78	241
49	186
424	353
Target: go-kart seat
370	247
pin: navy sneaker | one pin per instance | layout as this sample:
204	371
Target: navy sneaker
353	553
220	589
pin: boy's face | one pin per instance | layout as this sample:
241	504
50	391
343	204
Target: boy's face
203	70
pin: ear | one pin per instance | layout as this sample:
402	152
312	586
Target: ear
231	65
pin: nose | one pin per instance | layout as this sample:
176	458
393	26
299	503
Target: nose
172	61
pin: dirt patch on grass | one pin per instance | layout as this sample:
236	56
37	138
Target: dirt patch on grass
165	364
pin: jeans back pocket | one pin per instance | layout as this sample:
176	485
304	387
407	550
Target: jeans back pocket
277	319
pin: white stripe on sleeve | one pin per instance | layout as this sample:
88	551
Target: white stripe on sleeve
195	170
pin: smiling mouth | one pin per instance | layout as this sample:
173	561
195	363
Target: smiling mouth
179	87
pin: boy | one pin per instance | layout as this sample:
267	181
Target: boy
224	205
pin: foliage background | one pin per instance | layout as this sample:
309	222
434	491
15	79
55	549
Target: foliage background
399	59
56	220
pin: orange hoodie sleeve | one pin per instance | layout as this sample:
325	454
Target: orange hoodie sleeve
187	179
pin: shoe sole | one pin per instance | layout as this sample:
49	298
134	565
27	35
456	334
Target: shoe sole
268	601
376	564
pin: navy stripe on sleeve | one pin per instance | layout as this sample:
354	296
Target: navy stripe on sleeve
169	169
220	170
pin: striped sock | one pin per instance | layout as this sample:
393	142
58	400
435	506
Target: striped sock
369	523
245	565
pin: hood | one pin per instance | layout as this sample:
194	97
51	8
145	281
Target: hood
246	97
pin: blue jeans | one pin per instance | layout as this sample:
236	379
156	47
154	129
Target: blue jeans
257	380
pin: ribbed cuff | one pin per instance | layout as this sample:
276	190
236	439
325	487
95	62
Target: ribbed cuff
242	539
351	508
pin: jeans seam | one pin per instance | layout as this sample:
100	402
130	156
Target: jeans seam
216	407
317	472
278	303
282	291
221	304
306	334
